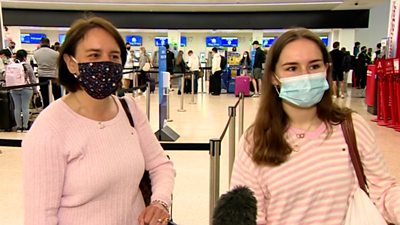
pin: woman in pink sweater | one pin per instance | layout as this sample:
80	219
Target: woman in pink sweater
295	157
83	161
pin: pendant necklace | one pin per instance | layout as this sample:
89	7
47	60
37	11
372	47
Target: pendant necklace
300	136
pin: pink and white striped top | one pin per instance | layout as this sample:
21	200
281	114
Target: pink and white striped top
314	186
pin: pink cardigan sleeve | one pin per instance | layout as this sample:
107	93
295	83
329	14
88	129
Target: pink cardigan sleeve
384	191
161	169
43	174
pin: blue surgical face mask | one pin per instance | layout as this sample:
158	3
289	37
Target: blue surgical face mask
305	90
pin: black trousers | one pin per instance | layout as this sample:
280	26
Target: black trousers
44	89
196	77
215	83
142	79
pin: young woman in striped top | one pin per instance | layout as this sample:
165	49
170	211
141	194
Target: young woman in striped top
294	157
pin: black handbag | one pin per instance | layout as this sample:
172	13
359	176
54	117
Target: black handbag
145	182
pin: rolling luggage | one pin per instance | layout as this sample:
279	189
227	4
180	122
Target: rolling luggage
231	86
7	121
242	84
187	86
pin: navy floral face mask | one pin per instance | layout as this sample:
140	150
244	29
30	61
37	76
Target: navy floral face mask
99	79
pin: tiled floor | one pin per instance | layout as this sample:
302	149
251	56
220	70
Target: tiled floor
200	122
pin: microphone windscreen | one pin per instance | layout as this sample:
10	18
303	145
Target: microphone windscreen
238	206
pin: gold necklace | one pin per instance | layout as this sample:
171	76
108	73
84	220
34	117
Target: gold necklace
300	136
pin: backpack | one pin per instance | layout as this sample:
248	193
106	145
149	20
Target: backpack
223	63
15	74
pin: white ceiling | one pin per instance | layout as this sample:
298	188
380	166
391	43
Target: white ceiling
193	5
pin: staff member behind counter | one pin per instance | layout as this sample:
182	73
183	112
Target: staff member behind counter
82	159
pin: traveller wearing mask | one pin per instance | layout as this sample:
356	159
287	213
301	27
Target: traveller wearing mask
83	160
128	67
294	157
245	63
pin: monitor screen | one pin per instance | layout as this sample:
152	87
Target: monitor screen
61	38
160	41
134	40
213	41
268	41
229	41
183	41
31	38
324	39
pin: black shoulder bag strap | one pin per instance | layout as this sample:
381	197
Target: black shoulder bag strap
350	137
127	111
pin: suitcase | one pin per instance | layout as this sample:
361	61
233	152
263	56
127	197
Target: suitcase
242	84
7	121
187	87
231	86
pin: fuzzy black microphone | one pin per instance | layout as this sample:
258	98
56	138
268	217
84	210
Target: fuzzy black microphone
238	207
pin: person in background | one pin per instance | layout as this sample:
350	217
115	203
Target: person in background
3	60
337	70
294	156
56	46
154	60
259	59
369	56
356	48
46	59
362	63
245	63
82	159
143	59
194	66
170	62
378	52
11	48
128	67
346	65
180	68
215	79
22	96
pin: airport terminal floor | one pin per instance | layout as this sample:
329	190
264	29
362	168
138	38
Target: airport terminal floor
202	121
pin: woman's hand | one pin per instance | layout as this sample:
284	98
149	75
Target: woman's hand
154	214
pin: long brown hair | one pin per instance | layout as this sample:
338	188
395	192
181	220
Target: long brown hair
269	146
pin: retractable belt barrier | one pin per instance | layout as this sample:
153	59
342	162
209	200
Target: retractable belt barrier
23	86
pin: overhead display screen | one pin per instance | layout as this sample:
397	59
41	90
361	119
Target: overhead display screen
61	38
160	41
213	41
268	41
229	41
134	40
183	41
32	38
325	40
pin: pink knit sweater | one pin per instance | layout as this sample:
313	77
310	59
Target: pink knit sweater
80	172
314	186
